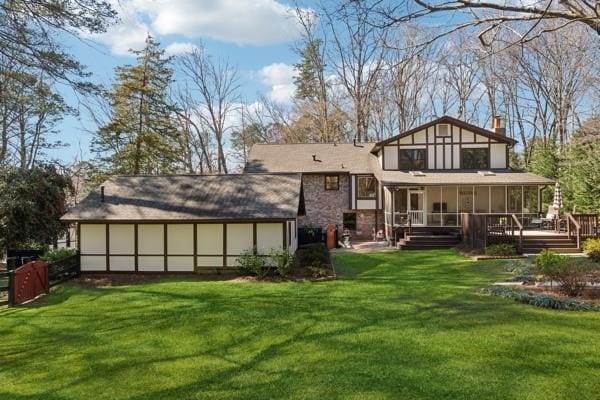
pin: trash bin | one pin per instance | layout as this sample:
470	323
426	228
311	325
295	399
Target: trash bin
331	233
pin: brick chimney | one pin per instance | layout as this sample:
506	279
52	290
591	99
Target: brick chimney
498	125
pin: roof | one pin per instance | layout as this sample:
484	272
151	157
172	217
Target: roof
192	197
328	157
449	120
461	177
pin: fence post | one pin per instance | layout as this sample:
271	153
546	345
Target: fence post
11	288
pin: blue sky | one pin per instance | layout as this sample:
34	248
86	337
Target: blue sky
256	35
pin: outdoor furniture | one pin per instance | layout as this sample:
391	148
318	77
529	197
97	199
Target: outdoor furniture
550	220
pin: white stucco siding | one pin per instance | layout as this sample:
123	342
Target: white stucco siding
93	238
498	155
122	263
366	204
431	157
180	239
467	136
456	156
210	239
151	239
239	238
209	261
121	239
180	263
269	236
93	263
390	157
420	137
151	263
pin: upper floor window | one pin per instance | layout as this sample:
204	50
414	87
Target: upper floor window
332	182
367	187
412	159
475	158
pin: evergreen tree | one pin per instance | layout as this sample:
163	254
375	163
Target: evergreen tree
140	137
544	161
580	170
309	69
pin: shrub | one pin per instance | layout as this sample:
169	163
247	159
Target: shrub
283	260
592	248
249	263
504	249
522	271
540	299
51	256
318	272
548	263
315	254
573	276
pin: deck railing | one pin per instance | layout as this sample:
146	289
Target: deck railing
501	228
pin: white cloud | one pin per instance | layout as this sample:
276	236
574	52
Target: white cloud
253	22
280	77
179	48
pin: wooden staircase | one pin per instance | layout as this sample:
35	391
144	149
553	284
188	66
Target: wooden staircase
428	241
533	244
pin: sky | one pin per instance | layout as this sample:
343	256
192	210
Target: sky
256	35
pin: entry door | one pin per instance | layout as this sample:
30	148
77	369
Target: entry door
416	207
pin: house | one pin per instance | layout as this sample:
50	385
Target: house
183	223
425	177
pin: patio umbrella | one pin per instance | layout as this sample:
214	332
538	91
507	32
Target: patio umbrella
557	204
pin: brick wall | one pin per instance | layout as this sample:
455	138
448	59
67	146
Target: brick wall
328	206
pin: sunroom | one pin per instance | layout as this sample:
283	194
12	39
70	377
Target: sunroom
440	205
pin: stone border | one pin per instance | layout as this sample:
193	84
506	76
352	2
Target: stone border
484	257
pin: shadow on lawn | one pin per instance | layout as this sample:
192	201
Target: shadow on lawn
379	331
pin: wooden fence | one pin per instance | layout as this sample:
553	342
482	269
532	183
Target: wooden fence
482	230
30	280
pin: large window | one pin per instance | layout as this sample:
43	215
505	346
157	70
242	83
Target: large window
332	182
475	158
367	187
412	159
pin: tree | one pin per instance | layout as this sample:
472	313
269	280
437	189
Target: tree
31	33
490	16
580	170
29	113
31	204
215	83
140	138
357	55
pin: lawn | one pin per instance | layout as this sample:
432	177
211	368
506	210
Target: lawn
395	325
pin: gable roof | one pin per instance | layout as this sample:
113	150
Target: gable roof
298	157
192	197
449	120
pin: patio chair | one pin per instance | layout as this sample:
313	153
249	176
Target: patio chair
550	220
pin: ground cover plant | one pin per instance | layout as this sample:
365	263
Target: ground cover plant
411	325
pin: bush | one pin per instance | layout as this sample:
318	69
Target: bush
315	254
522	271
318	272
549	263
592	248
540	299
503	249
573	276
284	261
52	256
249	263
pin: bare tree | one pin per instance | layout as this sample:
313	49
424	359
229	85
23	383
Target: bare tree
357	54
215	82
489	16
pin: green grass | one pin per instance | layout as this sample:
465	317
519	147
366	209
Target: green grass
394	326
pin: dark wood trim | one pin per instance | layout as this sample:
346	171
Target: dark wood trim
107	247
180	222
224	245
135	246
489	153
195	246
165	250
255	237
78	237
284	228
350	192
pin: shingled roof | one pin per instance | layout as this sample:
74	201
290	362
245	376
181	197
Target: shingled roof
298	157
192	197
